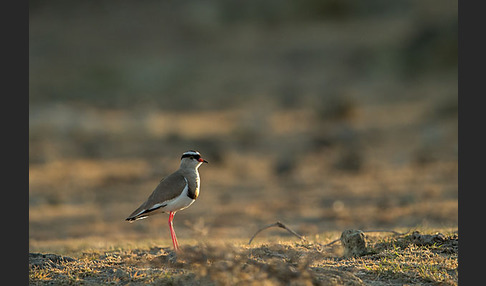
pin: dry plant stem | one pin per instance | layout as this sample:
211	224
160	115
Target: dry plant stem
330	243
392	231
279	224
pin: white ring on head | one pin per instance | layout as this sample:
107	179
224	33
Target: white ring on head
193	153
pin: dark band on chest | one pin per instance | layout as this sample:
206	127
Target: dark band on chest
192	193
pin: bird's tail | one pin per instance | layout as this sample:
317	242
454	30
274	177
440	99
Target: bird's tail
142	212
134	218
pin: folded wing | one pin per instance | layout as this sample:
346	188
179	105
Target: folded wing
169	188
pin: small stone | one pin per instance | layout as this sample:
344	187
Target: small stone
354	243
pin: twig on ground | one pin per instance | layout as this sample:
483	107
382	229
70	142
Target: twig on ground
392	231
330	243
279	224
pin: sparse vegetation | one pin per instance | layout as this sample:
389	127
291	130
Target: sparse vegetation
395	260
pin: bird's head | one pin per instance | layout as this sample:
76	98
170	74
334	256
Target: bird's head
192	158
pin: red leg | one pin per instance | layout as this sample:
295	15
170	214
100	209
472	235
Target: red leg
172	232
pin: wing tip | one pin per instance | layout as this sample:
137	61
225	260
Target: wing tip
134	218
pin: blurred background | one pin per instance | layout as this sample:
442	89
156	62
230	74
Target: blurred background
324	115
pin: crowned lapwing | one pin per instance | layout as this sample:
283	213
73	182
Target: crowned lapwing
174	193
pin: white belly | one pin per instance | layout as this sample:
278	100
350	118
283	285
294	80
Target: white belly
179	203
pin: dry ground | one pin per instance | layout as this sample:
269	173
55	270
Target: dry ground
320	179
365	171
392	260
316	184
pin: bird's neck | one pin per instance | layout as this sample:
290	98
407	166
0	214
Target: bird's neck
189	165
